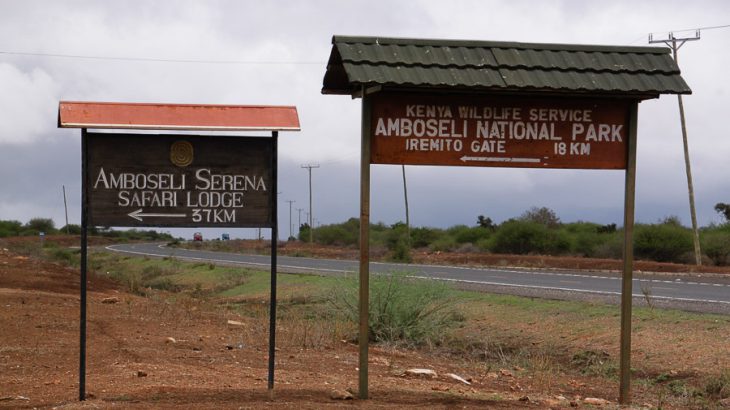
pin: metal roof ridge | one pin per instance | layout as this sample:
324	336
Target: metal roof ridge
504	66
499	44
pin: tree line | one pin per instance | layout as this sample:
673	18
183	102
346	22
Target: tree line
539	231
36	226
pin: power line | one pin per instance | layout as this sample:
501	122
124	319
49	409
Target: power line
668	33
700	28
159	60
342	158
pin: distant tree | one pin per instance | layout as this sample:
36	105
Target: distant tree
543	216
724	210
672	220
72	229
10	228
41	225
304	232
485	222
609	228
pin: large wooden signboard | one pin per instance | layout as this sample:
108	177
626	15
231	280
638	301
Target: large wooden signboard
179	180
499	131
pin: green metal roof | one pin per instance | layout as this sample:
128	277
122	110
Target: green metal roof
639	72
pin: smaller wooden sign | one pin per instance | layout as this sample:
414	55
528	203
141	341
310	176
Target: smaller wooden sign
498	131
179	180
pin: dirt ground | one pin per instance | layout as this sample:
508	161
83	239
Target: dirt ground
156	352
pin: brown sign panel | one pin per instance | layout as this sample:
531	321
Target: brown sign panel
179	180
498	131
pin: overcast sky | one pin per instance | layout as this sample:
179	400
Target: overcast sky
281	49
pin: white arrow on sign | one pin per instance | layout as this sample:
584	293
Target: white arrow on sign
138	215
499	159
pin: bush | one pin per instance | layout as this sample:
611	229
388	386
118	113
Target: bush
588	239
523	237
716	244
612	248
397	241
344	234
70	257
444	244
304	232
402	311
71	229
10	228
423	237
543	216
665	242
464	234
41	225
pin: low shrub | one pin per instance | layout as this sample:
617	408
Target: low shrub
718	387
403	311
444	244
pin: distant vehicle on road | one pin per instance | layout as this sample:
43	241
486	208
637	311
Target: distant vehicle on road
197	236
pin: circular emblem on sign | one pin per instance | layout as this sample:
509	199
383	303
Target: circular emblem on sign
181	153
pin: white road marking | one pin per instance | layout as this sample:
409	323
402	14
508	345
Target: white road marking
600	292
111	248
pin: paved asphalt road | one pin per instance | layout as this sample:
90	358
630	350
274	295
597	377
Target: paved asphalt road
703	294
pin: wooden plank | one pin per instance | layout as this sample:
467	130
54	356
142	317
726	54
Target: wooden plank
106	115
504	131
140	180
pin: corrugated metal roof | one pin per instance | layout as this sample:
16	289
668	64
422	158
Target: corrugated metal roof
642	72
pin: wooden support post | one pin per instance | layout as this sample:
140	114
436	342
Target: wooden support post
363	337
626	281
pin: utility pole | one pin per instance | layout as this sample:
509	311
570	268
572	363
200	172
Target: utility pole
276	240
290	202
311	215
65	208
299	227
675	43
408	219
